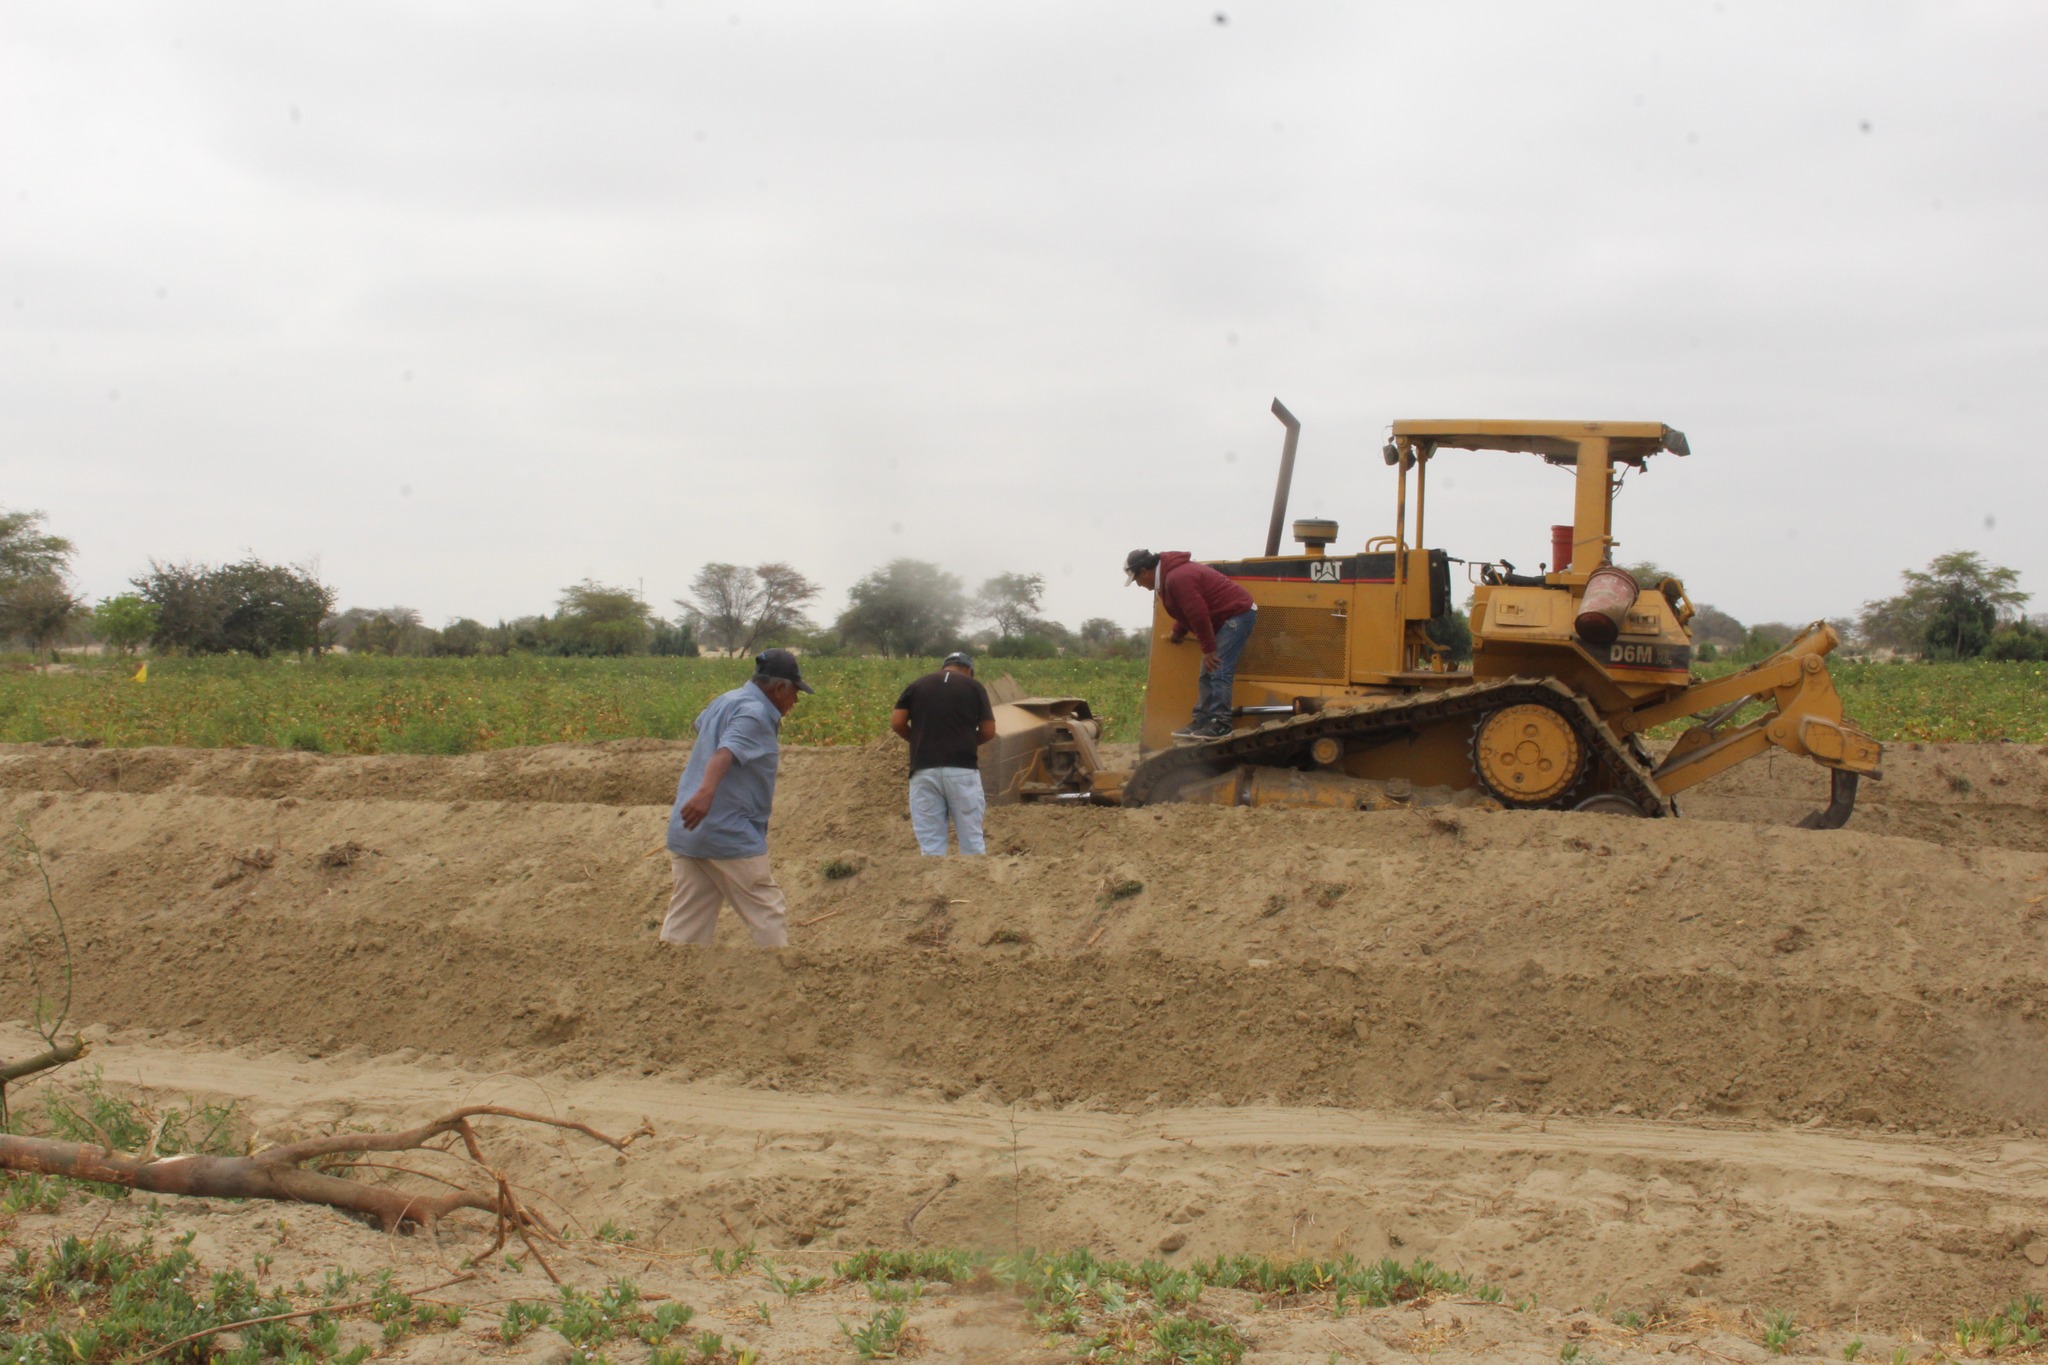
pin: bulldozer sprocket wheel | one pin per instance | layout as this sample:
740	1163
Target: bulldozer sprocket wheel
1527	754
1285	743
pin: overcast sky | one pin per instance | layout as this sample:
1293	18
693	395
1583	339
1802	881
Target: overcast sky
467	302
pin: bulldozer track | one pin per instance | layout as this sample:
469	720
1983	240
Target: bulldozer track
1284	743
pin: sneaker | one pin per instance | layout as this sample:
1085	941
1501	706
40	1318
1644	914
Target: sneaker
1192	730
1215	729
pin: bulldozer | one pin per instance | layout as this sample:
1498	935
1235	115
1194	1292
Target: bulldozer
1343	699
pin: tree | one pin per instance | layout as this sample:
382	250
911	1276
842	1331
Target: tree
674	639
39	610
27	551
1648	574
1101	638
124	621
1712	626
461	638
905	607
591	618
250	607
2018	642
737	609
1009	602
36	603
1453	632
391	630
1948	610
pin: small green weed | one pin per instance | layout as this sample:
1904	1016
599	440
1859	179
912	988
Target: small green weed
732	1262
789	1286
27	1192
1853	1349
1779	1331
947	1267
881	1336
838	869
608	1231
666	1320
521	1317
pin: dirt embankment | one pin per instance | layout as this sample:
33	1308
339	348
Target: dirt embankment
1566	1008
1547	962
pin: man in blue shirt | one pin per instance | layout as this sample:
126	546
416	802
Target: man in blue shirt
718	826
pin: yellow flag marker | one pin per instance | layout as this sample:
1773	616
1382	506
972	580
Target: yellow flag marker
142	673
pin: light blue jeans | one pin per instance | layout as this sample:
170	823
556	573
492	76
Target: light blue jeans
1212	690
941	794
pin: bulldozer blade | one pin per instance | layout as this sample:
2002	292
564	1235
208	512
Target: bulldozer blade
1842	800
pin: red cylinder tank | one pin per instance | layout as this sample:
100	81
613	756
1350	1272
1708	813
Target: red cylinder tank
1610	592
1560	548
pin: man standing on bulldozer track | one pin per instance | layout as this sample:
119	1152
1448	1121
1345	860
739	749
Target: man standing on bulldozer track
946	716
1217	612
718	826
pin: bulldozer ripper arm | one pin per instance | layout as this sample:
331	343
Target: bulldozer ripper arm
1806	720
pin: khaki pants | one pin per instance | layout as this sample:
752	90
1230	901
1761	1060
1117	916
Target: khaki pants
704	884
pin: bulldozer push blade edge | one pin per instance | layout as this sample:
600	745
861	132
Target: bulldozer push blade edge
1343	698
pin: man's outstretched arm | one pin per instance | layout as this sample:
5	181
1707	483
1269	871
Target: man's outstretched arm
699	805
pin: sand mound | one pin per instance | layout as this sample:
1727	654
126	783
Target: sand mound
1544	961
1487	969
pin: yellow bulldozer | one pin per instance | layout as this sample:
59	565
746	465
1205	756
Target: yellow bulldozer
1342	699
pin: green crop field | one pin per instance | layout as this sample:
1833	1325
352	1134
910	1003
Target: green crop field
365	705
368	705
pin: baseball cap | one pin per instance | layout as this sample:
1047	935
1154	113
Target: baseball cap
958	659
780	663
1136	562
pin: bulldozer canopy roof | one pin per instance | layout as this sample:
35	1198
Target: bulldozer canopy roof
1557	442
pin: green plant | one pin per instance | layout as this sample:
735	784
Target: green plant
1568	1352
93	1114
1628	1319
1853	1349
608	1231
838	869
666	1320
732	1262
881	1336
1779	1331
950	1267
27	1192
520	1317
1124	888
791	1285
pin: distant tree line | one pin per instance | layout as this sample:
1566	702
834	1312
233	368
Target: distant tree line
1958	607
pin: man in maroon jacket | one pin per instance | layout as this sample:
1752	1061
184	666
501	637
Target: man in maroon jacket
1213	609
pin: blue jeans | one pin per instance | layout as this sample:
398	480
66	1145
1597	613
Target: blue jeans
1212	689
940	795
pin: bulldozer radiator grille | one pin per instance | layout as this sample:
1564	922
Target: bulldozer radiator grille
1298	642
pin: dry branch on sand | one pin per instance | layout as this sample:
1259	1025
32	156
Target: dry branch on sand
281	1173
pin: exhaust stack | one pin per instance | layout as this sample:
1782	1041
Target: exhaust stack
1288	420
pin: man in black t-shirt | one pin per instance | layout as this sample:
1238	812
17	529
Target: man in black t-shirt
946	717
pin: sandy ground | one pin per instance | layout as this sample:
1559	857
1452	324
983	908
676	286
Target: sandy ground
1711	1067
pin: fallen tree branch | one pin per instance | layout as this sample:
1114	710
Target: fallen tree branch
910	1223
279	1172
59	1054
